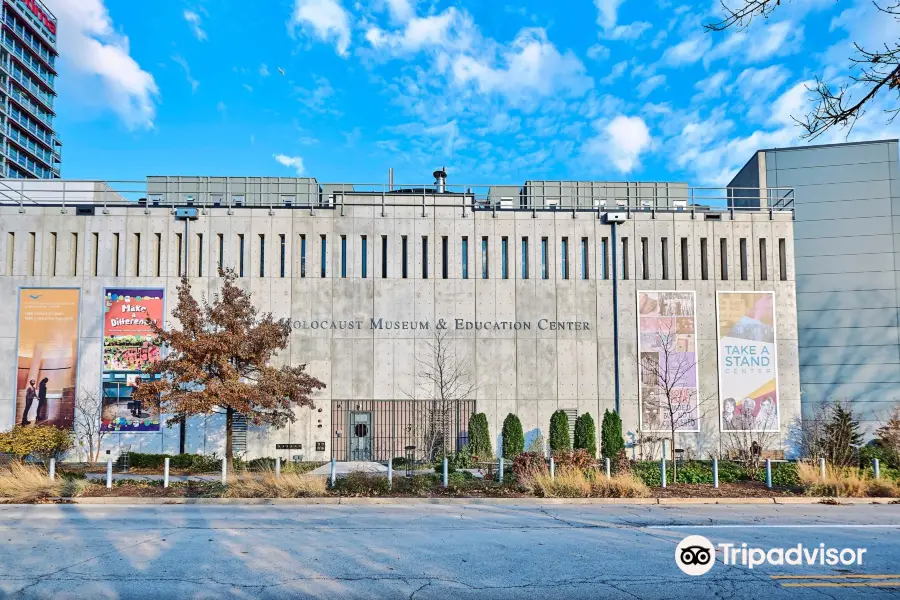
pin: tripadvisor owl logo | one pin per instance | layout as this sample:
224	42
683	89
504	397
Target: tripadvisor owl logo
695	555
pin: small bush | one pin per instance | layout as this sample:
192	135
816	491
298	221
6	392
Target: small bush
417	485
41	441
649	472
783	475
480	436
513	437
463	459
611	441
559	432
398	462
363	484
577	459
586	434
528	463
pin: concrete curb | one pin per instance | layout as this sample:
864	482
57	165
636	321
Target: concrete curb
364	501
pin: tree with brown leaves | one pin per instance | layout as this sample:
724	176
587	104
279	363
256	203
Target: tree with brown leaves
219	359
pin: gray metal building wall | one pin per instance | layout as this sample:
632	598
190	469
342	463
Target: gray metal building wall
847	249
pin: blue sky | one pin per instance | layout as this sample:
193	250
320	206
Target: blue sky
499	92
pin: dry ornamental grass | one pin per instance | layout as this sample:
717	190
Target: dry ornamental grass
844	483
575	483
266	485
20	483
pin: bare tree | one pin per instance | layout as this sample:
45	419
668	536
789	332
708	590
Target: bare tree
748	440
89	431
874	71
443	379
669	392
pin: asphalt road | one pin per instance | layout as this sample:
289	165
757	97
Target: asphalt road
432	551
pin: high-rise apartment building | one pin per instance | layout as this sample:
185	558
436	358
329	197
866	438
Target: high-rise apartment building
29	147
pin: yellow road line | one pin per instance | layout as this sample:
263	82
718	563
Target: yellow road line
860	576
845	584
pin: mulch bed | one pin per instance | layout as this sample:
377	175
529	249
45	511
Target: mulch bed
190	490
748	489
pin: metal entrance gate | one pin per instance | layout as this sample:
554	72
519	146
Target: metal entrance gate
392	425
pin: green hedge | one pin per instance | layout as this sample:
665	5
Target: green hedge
480	437
585	434
611	442
513	437
197	463
559	432
693	471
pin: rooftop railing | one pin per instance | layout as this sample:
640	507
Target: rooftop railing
298	193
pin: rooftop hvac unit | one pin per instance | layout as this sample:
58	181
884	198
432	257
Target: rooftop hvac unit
616	217
506	202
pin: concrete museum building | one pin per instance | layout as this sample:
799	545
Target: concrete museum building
551	294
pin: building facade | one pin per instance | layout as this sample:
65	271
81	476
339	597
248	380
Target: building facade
29	147
542	291
847	247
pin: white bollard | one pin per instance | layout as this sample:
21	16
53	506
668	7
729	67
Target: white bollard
501	470
877	467
277	466
224	471
166	472
391	473
52	469
552	469
445	479
333	472
606	464
109	473
716	473
822	468
662	471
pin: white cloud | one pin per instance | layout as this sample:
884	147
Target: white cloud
401	10
326	19
263	70
759	43
318	97
621	140
687	52
180	61
617	71
712	86
651	83
530	67
758	84
607	12
598	52
632	31
607	19
194	21
92	48
449	30
292	162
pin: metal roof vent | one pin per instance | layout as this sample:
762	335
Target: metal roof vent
440	180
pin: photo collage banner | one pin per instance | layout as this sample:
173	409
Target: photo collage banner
667	349
129	345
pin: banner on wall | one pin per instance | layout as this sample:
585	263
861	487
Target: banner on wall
667	350
47	356
128	346
748	365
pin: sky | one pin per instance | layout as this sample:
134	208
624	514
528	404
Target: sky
496	91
